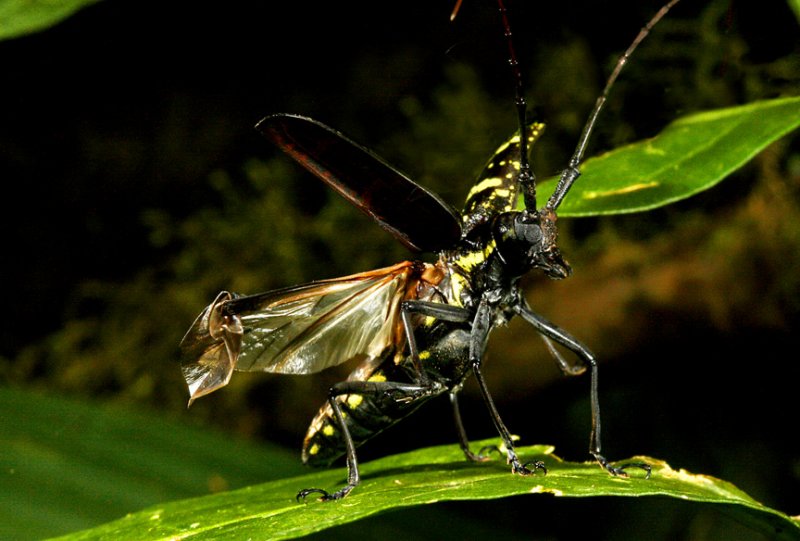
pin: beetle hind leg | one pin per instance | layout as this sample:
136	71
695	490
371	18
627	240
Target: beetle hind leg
353	477
483	453
396	391
325	495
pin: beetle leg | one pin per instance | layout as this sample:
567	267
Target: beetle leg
555	333
452	314
398	391
353	477
481	326
444	312
566	368
463	442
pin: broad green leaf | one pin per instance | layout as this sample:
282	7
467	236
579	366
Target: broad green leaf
67	465
21	17
690	155
269	511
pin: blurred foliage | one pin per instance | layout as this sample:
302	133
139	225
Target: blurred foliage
795	5
69	465
21	17
702	293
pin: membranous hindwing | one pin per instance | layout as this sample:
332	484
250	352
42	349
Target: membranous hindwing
302	329
497	188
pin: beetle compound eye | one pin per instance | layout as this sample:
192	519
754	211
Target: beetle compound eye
530	233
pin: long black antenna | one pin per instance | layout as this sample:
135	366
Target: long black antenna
526	178
571	173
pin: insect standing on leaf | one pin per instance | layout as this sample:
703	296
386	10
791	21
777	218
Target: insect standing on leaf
418	329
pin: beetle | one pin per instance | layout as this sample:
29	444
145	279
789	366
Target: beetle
419	330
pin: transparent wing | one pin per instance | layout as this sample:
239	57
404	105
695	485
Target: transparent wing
297	330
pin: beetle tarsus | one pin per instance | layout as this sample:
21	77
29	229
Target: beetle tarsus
483	454
529	468
537	465
325	496
303	494
619	471
484	451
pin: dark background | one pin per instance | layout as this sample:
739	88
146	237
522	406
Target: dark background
135	188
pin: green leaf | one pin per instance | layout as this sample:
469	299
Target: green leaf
21	17
65	462
269	510
68	465
692	154
795	5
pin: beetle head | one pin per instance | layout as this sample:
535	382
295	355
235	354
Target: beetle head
530	240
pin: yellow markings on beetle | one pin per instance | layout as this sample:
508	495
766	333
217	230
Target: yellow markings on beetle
503	193
313	450
596	194
354	400
485	184
507	144
470	260
424	355
329	429
377	377
534	131
457	283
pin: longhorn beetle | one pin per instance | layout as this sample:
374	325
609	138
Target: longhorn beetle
419	329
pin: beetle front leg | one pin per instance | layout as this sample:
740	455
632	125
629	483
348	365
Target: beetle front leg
505	435
481	327
555	333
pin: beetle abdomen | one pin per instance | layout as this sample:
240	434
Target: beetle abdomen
365	417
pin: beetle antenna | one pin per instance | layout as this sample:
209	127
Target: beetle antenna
571	173
526	178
